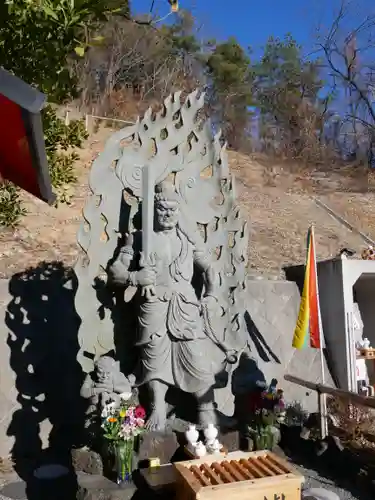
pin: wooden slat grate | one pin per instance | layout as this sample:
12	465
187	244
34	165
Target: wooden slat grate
244	469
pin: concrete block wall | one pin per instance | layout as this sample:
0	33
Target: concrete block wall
39	376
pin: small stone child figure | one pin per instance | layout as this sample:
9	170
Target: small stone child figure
104	385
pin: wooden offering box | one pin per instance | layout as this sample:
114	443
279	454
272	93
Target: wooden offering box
259	475
190	453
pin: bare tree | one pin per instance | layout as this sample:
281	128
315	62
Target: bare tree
350	68
134	64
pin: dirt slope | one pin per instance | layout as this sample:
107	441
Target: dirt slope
278	204
280	207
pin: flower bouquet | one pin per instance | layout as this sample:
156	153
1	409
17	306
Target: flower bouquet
122	424
266	412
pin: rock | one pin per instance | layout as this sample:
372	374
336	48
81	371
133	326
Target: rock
319	494
305	433
232	440
246	444
88	461
96	487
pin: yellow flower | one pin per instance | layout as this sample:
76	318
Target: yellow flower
123	413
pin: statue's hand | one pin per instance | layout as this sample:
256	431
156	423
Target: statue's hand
118	274
146	277
104	383
148	292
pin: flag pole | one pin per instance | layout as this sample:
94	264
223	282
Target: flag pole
322	396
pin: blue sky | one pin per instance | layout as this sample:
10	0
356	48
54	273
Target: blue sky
252	21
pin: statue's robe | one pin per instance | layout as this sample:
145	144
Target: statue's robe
174	348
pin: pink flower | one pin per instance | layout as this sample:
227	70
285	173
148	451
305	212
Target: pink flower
125	431
139	412
130	411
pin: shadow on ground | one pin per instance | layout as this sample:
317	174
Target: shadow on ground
43	329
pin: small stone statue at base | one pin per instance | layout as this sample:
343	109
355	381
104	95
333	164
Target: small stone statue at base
106	384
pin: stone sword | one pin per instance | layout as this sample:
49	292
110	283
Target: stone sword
148	192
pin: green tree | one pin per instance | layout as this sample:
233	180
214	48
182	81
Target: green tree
230	83
287	88
37	37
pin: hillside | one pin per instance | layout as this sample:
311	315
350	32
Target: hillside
278	202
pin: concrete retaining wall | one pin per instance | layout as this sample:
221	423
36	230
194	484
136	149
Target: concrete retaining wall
272	314
38	370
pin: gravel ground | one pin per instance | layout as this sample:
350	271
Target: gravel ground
345	492
334	471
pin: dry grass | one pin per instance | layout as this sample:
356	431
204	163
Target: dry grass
356	421
277	199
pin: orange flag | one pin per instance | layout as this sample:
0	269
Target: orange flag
308	322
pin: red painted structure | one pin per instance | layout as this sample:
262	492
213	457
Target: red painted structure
23	157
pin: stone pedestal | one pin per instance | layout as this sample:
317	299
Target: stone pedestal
162	445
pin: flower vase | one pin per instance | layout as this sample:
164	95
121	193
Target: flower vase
124	453
264	439
210	433
260	440
192	435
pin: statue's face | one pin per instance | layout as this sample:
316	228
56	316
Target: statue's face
103	374
104	370
166	216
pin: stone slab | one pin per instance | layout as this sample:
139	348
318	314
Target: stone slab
160	477
95	487
319	494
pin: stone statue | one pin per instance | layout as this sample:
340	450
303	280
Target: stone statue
181	271
107	384
172	339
